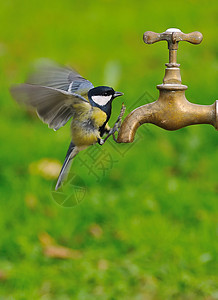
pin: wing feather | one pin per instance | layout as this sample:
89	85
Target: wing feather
54	106
62	78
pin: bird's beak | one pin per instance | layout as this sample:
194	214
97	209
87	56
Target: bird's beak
117	94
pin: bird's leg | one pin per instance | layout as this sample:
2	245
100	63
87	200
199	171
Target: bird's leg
116	126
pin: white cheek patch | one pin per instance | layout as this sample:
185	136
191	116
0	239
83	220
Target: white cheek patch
101	100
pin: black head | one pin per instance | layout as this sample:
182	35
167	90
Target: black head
102	96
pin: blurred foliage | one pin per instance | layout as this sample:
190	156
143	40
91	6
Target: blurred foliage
146	230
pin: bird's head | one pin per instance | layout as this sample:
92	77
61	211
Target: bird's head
102	96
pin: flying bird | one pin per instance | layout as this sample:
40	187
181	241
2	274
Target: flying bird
59	94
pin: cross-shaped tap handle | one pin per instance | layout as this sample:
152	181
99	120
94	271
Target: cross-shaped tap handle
173	36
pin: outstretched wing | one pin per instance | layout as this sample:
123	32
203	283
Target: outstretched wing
54	106
63	78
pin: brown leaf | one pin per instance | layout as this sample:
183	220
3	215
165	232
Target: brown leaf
96	230
47	168
31	201
61	252
51	249
3	275
103	264
46	239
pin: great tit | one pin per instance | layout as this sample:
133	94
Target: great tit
59	94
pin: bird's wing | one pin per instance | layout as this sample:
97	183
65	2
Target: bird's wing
54	107
63	78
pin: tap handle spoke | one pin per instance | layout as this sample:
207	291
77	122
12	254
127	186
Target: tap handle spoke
151	37
193	37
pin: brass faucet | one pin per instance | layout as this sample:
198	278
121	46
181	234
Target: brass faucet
172	110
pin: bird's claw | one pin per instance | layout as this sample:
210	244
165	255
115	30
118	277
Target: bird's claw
116	126
101	142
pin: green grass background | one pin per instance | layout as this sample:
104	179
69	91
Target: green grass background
156	207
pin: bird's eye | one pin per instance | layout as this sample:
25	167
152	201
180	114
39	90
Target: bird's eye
105	94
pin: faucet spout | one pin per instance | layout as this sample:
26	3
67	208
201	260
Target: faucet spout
139	116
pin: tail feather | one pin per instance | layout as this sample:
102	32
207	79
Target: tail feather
71	153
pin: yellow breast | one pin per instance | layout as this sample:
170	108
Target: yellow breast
81	137
85	126
98	116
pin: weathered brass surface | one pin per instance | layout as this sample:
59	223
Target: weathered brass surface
172	110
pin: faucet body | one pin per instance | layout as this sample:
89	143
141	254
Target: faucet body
172	110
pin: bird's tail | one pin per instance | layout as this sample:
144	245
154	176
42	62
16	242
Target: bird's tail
71	153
